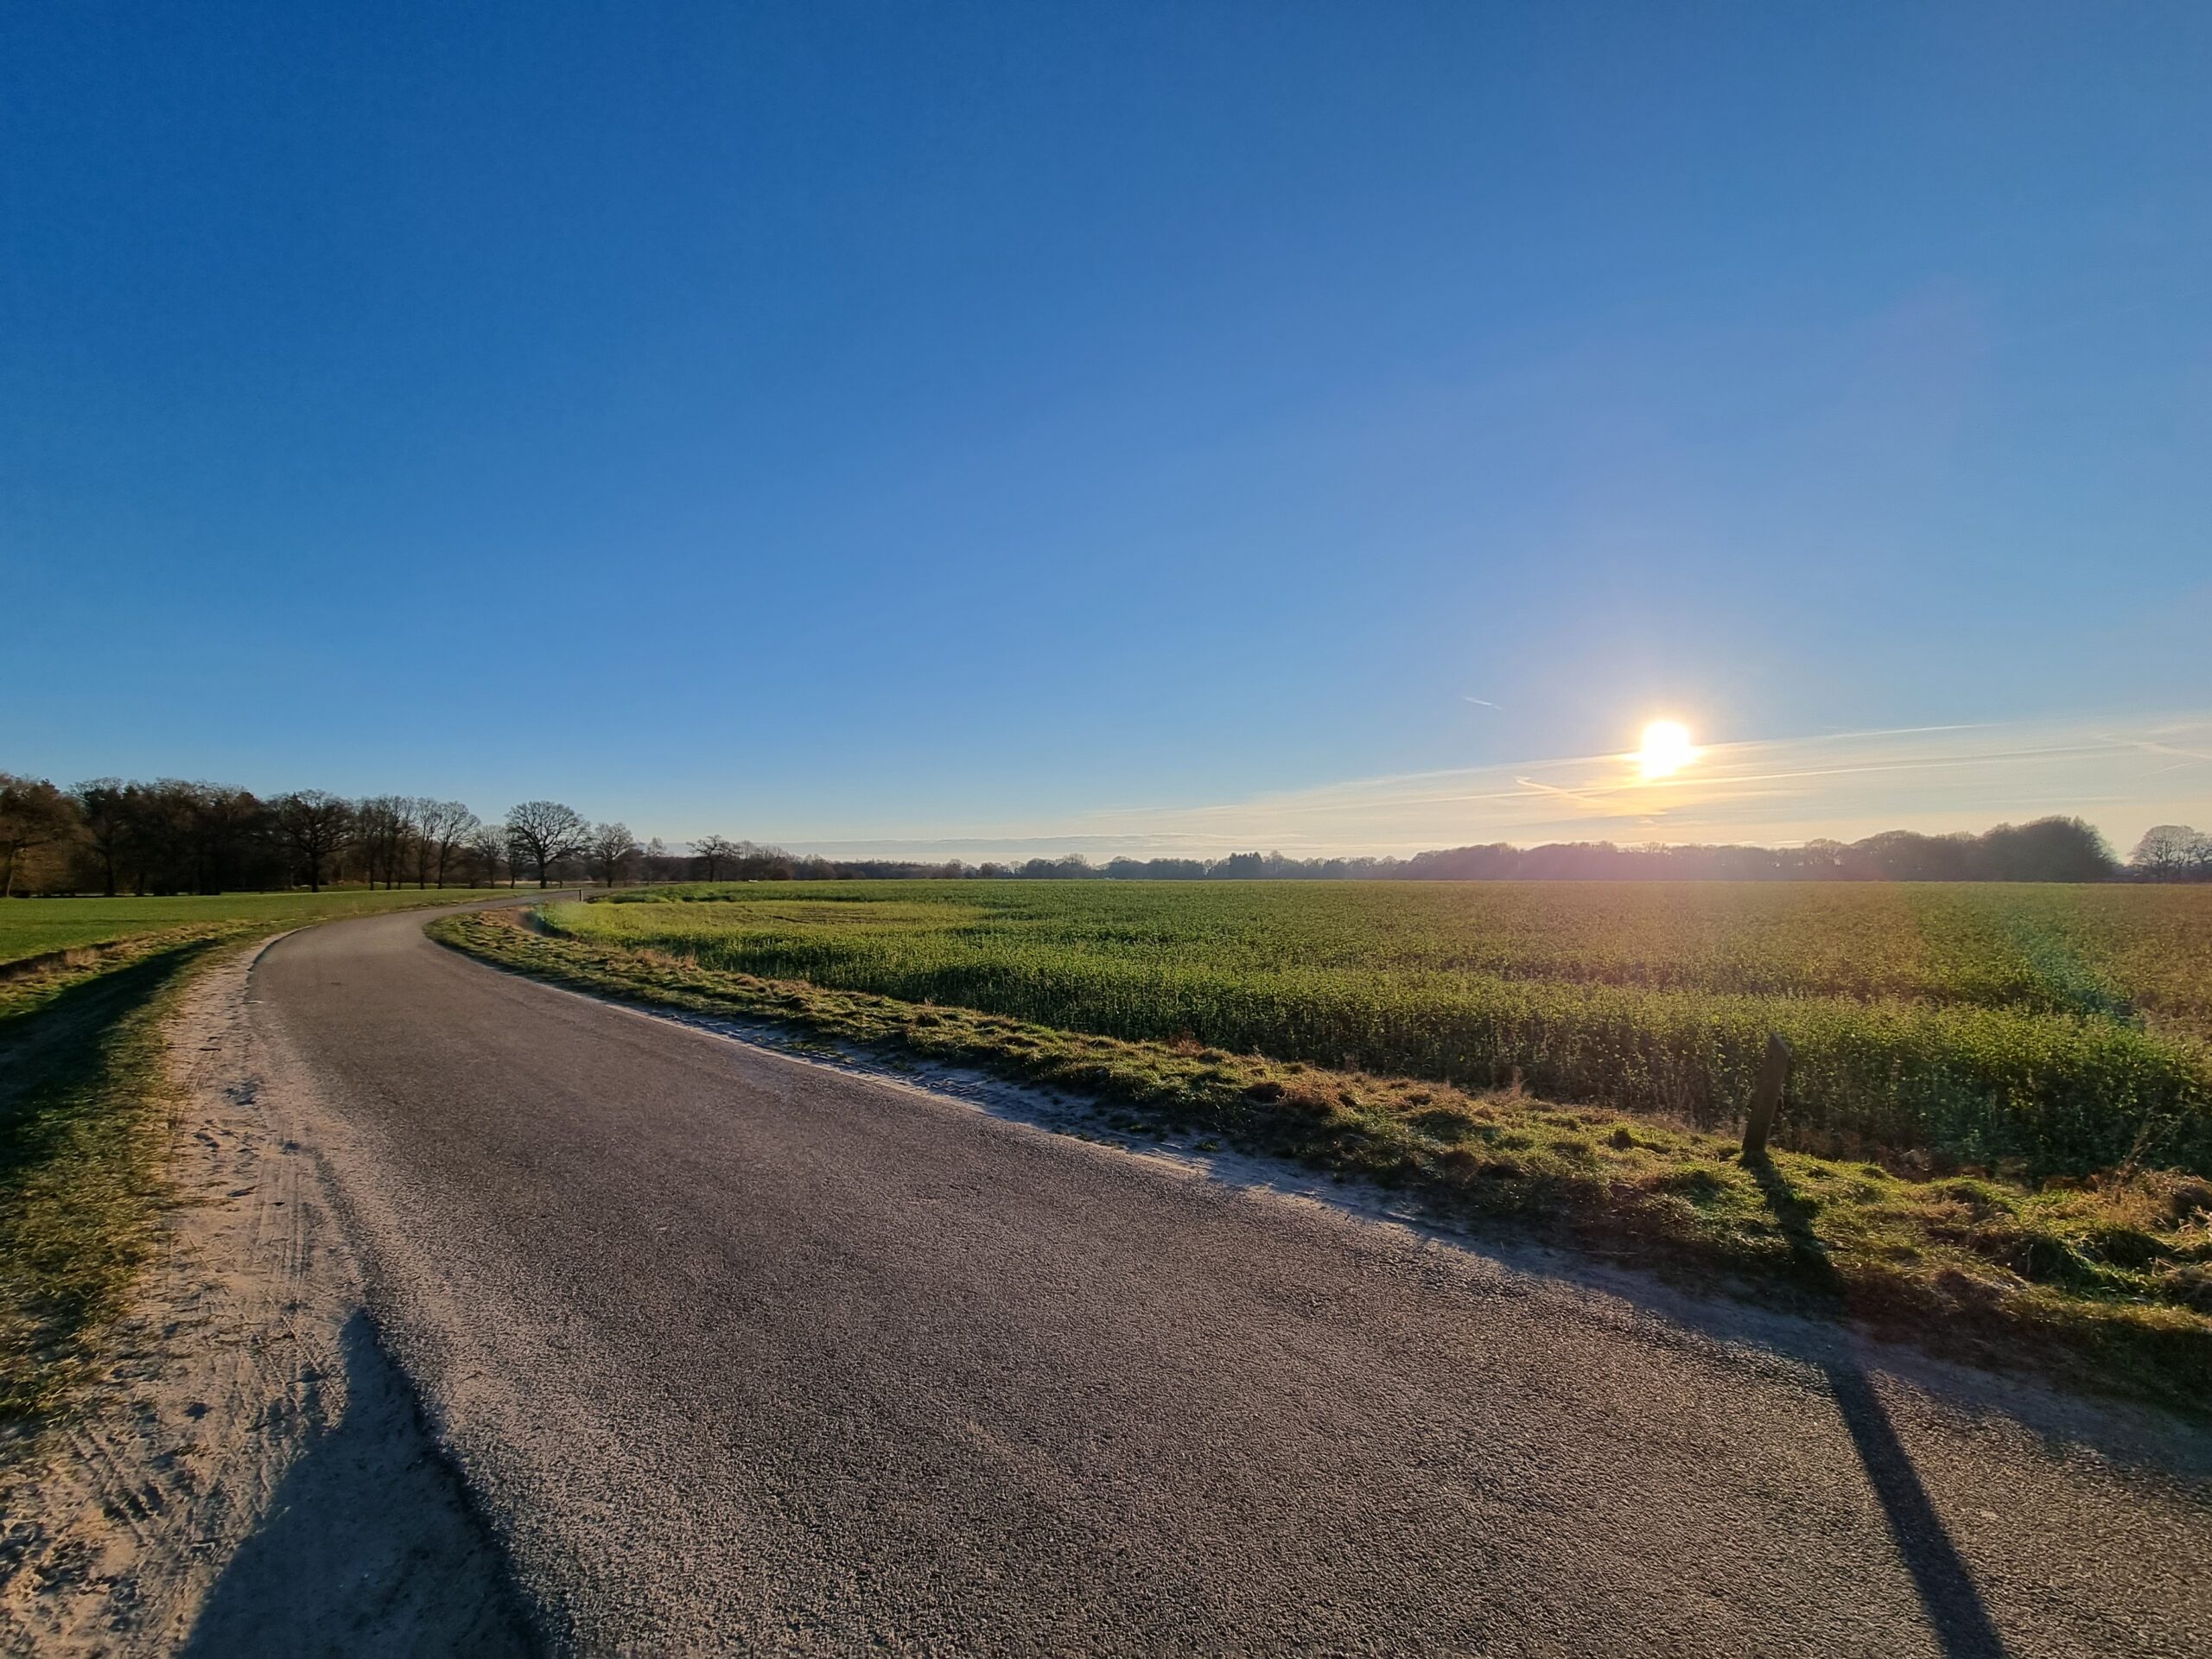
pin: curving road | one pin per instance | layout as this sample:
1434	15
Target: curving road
739	1352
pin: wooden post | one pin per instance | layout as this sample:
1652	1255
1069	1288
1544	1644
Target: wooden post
1766	1094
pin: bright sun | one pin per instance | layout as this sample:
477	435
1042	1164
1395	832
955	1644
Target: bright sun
1666	748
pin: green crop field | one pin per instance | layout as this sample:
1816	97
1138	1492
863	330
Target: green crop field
34	927
2058	1029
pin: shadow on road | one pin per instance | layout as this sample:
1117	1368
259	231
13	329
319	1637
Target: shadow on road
1954	1607
368	1544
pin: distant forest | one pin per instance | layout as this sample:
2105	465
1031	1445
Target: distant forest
168	837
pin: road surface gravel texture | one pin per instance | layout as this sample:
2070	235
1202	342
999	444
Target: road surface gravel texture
739	1352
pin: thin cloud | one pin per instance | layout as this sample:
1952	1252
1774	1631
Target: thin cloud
1581	800
1774	791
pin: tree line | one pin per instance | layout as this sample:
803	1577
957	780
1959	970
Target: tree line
111	836
2048	849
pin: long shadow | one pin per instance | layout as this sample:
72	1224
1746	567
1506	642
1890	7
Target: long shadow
61	1042
369	1544
1954	1606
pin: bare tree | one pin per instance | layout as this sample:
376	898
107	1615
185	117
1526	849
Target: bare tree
316	827
33	813
656	859
158	833
612	849
104	809
421	832
2172	852
440	829
715	852
486	848
386	822
544	832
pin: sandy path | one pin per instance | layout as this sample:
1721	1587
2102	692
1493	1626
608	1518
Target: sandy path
255	1478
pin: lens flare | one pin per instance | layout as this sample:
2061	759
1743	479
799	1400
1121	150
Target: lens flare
1666	749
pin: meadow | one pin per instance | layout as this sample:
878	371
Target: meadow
2055	1030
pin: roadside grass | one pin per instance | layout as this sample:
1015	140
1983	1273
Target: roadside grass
85	1094
82	1133
2105	1280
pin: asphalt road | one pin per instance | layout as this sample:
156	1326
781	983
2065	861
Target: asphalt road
740	1352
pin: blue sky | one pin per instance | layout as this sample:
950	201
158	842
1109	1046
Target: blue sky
903	424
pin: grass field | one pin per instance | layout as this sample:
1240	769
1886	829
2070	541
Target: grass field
2056	1030
84	987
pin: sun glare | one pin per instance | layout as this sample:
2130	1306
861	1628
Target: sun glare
1666	749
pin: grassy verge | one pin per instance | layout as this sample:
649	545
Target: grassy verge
2107	1280
84	1133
